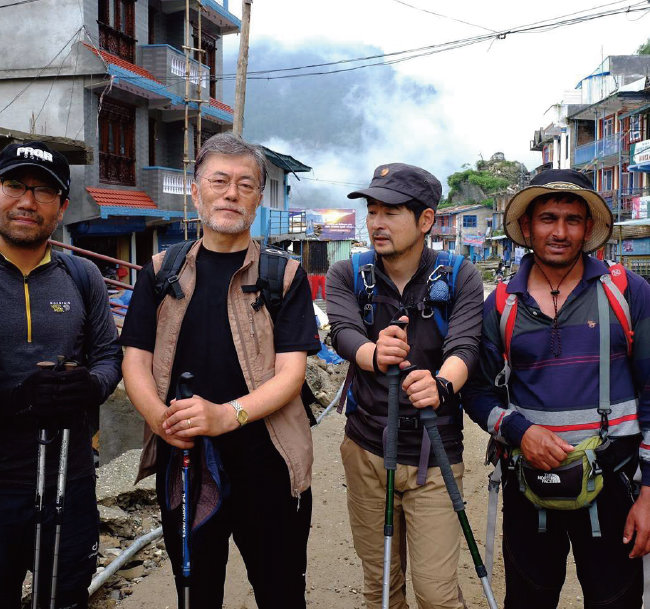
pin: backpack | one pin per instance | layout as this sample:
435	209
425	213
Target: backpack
269	284
614	284
437	303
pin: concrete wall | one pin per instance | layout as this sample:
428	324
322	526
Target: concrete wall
275	173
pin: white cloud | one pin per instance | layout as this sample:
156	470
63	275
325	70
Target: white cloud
490	97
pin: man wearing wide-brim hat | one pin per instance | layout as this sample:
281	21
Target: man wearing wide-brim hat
559	366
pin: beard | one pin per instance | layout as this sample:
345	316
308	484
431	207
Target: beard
229	227
28	237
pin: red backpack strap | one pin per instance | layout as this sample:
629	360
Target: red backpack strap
507	309
615	284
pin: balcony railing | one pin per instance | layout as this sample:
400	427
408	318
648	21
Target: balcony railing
165	186
443	230
600	149
167	64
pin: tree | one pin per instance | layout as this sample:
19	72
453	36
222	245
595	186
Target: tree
644	49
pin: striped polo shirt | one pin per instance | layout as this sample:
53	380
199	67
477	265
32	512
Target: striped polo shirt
562	393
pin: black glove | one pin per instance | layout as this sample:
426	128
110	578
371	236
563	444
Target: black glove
59	396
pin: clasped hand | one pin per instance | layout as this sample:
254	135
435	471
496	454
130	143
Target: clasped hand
392	350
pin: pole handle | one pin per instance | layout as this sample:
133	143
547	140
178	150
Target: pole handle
184	386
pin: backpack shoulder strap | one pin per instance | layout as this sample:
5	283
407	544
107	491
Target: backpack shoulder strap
79	275
507	309
272	265
455	262
359	260
166	280
615	284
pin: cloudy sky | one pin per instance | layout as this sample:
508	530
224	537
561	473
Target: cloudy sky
438	111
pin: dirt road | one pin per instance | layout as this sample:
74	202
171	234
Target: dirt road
334	576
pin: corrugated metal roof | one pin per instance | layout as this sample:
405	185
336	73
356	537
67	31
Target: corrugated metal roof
122	198
284	161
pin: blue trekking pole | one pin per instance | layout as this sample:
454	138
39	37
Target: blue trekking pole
184	391
390	464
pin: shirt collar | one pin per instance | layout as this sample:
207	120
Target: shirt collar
519	283
47	257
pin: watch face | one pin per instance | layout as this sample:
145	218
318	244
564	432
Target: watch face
242	417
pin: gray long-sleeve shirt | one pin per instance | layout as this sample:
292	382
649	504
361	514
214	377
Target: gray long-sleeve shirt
428	348
43	316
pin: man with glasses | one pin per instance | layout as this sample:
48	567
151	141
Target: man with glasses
245	426
44	316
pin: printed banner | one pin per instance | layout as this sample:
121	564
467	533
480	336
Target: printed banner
329	224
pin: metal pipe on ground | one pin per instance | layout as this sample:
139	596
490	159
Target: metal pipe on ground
141	542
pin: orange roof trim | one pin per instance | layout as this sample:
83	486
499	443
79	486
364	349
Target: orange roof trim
215	103
122	198
122	63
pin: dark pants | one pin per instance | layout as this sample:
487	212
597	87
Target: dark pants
535	562
79	543
269	526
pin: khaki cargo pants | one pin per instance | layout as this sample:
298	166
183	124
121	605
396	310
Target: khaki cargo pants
432	531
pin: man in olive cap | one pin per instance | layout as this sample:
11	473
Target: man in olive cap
565	373
395	284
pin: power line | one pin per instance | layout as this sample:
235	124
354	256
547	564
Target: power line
538	26
17	3
424	10
333	181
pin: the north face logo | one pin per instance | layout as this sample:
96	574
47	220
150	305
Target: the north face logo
34	153
549	478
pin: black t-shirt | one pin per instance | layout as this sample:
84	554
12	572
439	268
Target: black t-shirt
205	344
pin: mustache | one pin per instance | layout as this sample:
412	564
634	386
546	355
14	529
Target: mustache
12	215
379	234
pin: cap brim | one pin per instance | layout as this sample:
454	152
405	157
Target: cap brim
49	172
600	213
385	195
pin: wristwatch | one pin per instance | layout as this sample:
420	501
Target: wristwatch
445	390
240	414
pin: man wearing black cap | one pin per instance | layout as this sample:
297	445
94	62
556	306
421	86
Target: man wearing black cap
402	200
45	315
564	393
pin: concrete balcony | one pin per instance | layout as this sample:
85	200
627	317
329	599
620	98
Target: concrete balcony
598	150
443	230
167	64
165	186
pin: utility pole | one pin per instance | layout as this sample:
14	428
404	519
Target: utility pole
242	69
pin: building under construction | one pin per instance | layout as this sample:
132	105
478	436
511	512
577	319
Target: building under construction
138	86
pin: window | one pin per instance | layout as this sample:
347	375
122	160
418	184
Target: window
452	246
274	193
635	128
608	126
116	20
469	221
607	180
208	45
117	143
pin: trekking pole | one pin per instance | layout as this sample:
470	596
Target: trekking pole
60	499
428	417
184	391
390	463
38	501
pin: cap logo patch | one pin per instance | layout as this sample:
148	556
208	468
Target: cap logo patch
34	153
562	186
384	172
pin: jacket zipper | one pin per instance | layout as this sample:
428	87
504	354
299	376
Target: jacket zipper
28	309
253	333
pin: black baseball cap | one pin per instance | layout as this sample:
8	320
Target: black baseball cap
40	155
398	183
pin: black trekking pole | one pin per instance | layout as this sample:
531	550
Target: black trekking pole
38	501
60	497
428	417
184	391
390	463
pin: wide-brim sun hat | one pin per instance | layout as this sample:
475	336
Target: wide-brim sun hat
559	181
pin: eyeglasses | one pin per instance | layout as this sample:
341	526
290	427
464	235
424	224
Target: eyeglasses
42	194
221	185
